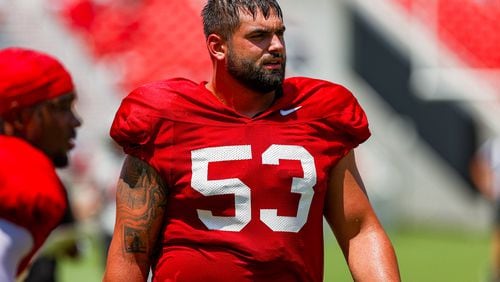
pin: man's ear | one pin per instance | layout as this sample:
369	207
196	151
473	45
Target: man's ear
217	47
6	128
18	120
10	124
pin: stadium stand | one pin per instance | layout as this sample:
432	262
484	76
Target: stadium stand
469	28
433	63
143	39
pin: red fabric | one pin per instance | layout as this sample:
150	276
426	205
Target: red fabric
179	262
227	173
28	77
31	194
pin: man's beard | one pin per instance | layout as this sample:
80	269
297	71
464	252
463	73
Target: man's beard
254	76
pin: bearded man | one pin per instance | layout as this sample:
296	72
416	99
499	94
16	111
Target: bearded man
229	180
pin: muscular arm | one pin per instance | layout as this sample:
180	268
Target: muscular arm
140	206
366	247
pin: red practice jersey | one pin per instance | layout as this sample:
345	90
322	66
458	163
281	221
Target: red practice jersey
31	194
246	195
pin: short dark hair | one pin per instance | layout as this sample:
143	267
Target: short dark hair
222	17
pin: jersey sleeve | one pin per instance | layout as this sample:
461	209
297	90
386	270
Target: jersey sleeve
346	116
133	127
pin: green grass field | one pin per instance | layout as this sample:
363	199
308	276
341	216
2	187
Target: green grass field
423	255
426	256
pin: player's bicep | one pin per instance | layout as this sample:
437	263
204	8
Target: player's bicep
140	202
347	208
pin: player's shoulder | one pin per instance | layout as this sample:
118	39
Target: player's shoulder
307	82
159	95
18	151
331	103
151	106
322	93
171	86
21	158
28	180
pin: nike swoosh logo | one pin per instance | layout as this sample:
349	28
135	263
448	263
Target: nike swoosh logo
289	111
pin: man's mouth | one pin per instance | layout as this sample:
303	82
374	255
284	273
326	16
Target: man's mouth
71	142
273	65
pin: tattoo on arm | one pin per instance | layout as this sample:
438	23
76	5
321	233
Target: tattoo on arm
132	240
141	202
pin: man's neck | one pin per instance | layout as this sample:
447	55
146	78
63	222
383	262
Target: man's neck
239	97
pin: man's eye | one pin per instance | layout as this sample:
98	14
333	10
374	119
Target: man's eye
61	107
259	35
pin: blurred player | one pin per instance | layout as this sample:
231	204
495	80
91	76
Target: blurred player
229	180
485	172
37	128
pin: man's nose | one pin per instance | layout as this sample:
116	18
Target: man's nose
277	44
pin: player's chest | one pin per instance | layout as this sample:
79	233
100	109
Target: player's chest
248	152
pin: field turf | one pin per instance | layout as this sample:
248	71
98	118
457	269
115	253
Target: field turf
424	256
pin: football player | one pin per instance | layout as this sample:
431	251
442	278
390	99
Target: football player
37	128
229	180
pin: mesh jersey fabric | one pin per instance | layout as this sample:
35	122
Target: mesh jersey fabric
245	194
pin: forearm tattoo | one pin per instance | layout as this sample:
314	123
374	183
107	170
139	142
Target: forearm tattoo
141	202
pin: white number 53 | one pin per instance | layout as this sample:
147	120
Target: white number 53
242	193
